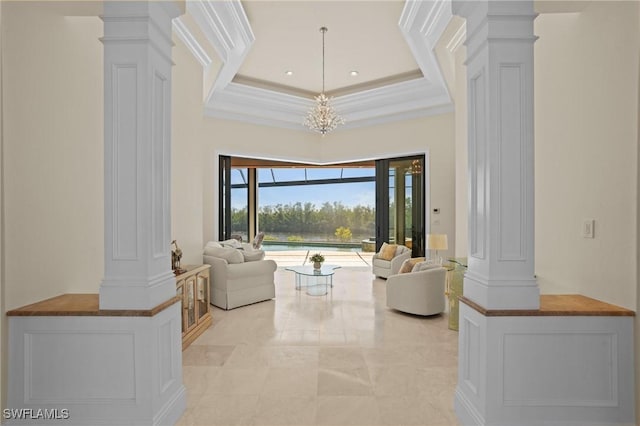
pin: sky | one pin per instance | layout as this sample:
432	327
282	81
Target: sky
350	195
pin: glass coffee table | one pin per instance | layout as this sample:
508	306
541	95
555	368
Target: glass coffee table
316	282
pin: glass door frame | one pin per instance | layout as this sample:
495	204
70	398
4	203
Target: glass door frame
418	194
224	195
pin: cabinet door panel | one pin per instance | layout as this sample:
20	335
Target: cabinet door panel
191	301
203	294
180	293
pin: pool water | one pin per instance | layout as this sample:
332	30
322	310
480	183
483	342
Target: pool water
308	247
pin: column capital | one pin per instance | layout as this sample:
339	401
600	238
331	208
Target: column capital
496	21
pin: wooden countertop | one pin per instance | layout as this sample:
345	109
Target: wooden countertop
554	305
84	305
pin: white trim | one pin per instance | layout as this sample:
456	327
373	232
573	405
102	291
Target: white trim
422	23
227	28
457	39
399	101
192	44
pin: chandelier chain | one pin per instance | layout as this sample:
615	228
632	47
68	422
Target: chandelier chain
323	30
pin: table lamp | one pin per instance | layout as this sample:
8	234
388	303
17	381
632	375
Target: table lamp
437	242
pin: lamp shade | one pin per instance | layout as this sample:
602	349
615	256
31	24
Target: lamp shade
437	242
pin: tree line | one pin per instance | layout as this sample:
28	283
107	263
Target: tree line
307	218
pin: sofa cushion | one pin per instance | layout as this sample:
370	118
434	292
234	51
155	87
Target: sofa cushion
233	243
252	255
229	254
213	244
409	264
387	251
423	266
381	263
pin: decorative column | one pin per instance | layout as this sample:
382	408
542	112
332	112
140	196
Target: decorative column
137	139
120	364
501	155
523	359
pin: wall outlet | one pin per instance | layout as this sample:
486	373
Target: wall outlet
588	226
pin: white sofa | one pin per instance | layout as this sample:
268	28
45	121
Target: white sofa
420	292
239	274
386	267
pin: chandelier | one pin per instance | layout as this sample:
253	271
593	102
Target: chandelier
415	168
322	118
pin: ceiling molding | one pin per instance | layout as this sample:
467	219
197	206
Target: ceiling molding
192	44
227	28
258	106
422	23
399	101
458	38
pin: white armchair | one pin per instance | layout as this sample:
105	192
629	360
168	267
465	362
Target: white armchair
239	277
385	266
420	293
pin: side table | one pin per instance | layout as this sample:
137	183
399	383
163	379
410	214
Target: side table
454	289
192	286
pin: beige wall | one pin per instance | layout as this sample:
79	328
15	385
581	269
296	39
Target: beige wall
586	109
3	321
586	147
186	155
587	139
53	136
637	318
462	174
433	135
587	134
587	86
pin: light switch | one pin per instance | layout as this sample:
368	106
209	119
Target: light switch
588	226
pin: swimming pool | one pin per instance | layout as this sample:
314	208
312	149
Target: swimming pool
317	247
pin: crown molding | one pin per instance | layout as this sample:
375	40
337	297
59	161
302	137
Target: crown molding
422	24
227	28
191	42
399	101
458	38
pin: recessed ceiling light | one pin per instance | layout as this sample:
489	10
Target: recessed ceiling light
354	73
288	72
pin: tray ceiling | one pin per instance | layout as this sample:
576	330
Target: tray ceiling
391	45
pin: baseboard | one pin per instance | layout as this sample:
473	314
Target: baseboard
467	415
173	409
466	412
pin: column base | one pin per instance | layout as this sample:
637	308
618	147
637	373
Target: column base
129	294
96	370
561	370
506	294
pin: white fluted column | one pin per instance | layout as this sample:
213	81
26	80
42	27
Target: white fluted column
501	155
137	116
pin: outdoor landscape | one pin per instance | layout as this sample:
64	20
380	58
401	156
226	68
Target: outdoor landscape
307	222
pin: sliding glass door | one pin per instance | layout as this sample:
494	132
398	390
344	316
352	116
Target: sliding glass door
400	202
237	201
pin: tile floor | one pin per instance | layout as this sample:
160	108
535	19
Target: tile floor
339	359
